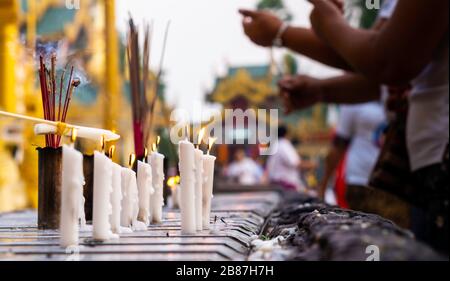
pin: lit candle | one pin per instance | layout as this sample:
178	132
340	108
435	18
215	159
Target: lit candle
102	195
116	195
199	181
71	195
174	198
187	187
128	179
208	179
157	199
145	189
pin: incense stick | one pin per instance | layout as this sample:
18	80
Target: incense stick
48	83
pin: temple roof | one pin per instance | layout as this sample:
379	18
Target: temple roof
255	83
255	71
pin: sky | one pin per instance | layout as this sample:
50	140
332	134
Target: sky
205	37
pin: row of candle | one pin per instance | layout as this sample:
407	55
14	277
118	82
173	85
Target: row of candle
123	201
196	185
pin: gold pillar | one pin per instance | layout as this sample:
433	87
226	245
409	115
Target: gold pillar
112	79
33	107
9	35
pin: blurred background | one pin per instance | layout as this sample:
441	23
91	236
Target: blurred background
207	61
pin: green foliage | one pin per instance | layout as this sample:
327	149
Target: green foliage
270	4
275	6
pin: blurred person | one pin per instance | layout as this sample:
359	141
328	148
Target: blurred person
357	134
285	165
359	137
244	170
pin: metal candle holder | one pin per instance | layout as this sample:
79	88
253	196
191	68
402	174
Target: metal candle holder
49	187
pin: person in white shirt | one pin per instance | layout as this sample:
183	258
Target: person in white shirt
357	134
284	166
244	170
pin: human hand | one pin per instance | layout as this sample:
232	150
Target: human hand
299	92
325	14
260	27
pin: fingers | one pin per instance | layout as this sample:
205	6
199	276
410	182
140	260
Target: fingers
248	13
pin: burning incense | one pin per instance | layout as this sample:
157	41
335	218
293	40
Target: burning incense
142	109
48	83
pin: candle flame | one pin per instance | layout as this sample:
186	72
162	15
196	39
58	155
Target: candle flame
145	153
158	140
172	182
73	137
154	148
201	134
211	142
131	160
112	149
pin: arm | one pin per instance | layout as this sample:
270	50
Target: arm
397	52
335	155
349	89
262	28
304	41
299	92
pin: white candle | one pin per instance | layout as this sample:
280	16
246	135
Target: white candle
157	199
187	187
145	189
102	195
126	216
82	132
130	202
208	179
71	195
116	198
198	188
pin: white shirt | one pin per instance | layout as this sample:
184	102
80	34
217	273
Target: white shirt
284	164
427	129
246	171
361	124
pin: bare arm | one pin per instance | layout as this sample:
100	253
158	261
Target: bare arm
349	89
299	92
304	41
398	51
262	27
